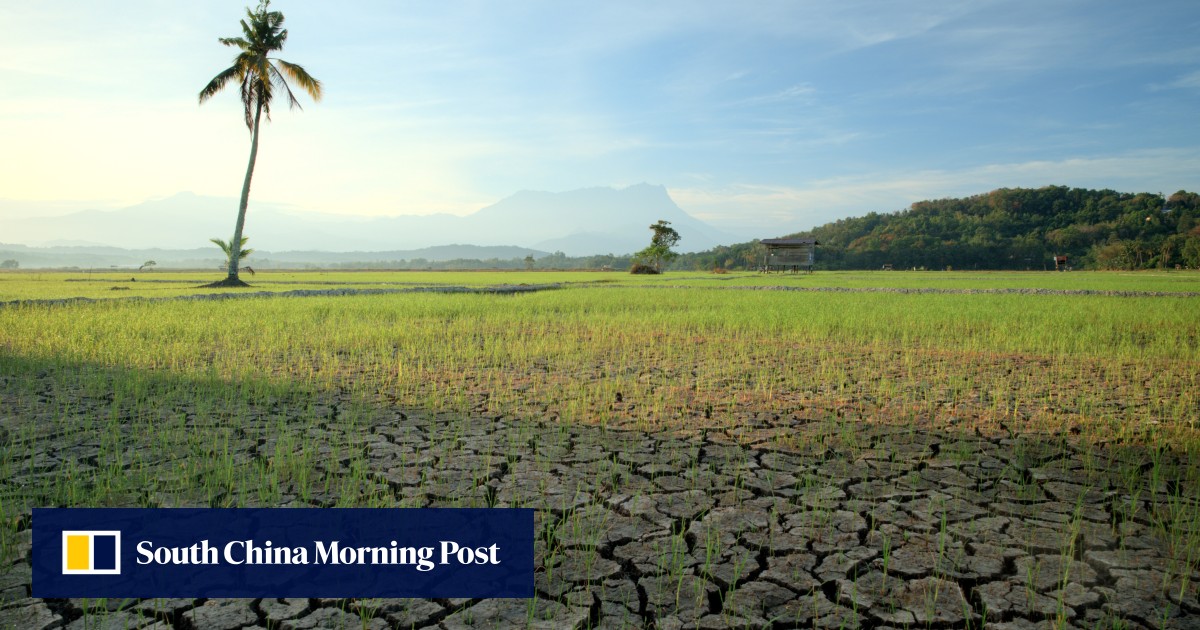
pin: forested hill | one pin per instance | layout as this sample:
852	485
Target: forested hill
1009	229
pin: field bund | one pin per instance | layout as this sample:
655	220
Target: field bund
949	450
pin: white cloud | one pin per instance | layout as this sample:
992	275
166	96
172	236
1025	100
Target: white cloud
802	92
1187	81
790	208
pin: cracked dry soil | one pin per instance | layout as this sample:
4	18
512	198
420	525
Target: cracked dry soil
913	528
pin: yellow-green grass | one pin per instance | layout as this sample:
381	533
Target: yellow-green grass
1146	281
186	378
710	344
32	285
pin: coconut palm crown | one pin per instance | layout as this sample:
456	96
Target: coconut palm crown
258	74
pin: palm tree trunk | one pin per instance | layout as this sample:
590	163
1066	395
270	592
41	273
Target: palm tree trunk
235	245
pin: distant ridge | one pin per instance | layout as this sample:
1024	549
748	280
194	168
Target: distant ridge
578	223
102	257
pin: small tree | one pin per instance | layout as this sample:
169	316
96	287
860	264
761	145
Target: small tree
242	252
148	264
659	252
11	263
529	262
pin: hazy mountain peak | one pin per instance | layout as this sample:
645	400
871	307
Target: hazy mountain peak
597	220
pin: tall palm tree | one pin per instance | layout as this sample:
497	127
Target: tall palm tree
259	75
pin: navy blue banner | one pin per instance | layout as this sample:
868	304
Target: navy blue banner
282	552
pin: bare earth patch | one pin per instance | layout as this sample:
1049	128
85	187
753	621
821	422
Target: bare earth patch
789	524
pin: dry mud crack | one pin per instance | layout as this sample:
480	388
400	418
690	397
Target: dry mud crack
914	529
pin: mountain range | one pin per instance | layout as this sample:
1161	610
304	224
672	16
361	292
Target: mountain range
102	257
581	222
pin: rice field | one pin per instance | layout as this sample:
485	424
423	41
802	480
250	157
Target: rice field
872	449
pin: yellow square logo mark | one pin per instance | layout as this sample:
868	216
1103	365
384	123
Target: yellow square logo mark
91	552
79	552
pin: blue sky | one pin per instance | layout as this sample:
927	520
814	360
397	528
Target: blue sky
752	114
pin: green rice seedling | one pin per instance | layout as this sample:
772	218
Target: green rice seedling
135	379
886	557
366	609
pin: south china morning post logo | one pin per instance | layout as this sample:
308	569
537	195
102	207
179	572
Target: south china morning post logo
91	552
283	552
252	552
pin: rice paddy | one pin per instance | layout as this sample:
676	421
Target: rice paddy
904	449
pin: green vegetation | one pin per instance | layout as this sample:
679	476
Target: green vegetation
659	252
258	74
594	334
34	285
112	285
307	401
1023	228
228	250
1004	229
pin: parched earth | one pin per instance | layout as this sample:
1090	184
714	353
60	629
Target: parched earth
912	528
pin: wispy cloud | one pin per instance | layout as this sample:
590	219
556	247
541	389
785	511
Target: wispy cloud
1190	81
802	93
795	207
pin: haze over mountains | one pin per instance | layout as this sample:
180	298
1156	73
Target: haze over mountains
578	223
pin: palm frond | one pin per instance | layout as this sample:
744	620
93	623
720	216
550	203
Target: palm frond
262	84
218	83
302	78
236	42
222	244
248	96
273	19
278	79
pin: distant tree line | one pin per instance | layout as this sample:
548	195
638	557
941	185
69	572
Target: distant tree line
1003	229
